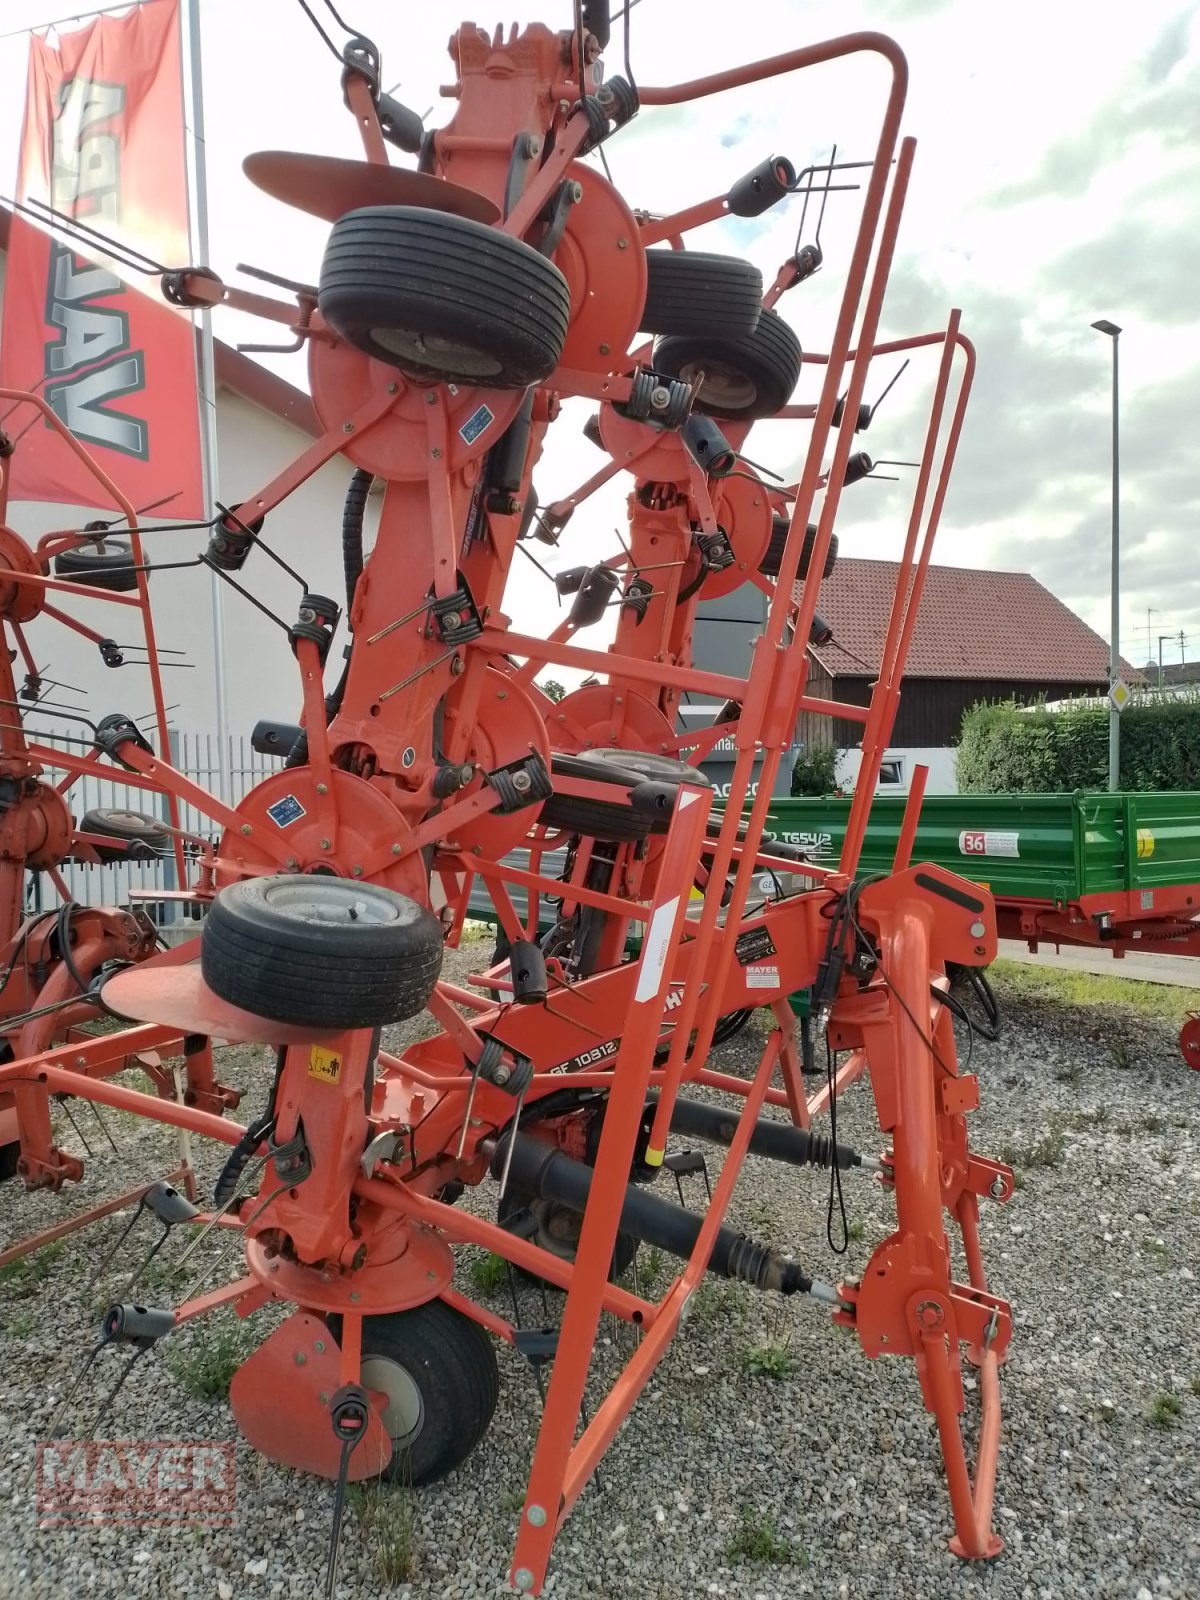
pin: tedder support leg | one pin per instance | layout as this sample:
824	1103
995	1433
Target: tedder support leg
907	1303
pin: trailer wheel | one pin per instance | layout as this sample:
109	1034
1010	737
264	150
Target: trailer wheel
618	821
10	1155
690	292
444	298
745	375
438	1370
328	952
107	564
554	1227
142	837
1189	1042
770	563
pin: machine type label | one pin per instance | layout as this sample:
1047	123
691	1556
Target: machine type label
817	844
324	1064
753	945
973	842
286	811
475	424
588	1058
762	977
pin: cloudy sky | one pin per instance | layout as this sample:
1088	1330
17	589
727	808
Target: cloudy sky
1056	181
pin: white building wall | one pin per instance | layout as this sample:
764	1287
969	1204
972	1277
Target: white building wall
260	669
897	769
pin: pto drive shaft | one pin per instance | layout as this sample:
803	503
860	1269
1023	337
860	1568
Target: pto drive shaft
540	1170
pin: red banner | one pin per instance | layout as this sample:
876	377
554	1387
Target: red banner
103	143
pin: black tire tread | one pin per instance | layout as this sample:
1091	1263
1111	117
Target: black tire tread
596	819
462	1355
282	971
102	569
770	354
773	557
695	292
436	273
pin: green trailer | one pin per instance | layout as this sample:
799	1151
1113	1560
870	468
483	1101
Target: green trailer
1057	849
1119	872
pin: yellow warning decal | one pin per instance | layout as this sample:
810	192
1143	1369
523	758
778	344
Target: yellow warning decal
1145	844
324	1064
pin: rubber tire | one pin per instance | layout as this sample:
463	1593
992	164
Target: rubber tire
110	569
624	1249
409	271
137	827
10	1154
768	358
616	823
769	565
453	1364
291	967
690	292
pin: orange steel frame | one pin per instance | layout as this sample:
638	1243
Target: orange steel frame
357	1242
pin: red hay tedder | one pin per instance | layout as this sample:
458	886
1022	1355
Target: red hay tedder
459	304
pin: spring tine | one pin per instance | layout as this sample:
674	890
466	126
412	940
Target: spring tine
335	1532
107	1403
79	1131
237	1238
104	1126
64	1403
462	1137
124	1234
214	1221
154	1249
512	1289
516	1123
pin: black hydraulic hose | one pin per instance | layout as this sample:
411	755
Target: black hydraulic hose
354	509
540	1170
235	1162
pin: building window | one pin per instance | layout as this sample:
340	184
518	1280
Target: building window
891	773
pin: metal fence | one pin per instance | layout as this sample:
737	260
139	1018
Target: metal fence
196	755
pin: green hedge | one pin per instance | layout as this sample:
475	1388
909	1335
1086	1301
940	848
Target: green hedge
1035	751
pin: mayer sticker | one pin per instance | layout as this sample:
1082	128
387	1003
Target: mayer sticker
286	811
475	424
974	842
324	1064
762	977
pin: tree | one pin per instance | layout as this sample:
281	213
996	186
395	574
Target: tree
552	689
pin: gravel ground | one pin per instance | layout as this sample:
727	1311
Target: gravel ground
819	1479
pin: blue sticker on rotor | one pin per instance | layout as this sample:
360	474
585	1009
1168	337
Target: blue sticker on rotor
475	424
286	811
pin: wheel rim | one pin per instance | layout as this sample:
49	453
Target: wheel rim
315	899
404	1414
133	819
557	1228
428	351
723	386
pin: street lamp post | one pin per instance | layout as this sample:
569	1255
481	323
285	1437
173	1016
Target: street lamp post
1111	330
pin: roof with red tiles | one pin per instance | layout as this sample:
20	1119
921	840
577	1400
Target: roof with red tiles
971	624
